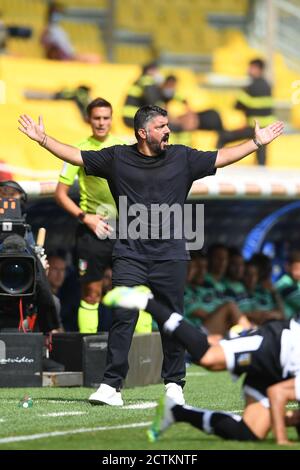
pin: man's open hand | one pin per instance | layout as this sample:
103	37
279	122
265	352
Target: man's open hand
35	131
265	135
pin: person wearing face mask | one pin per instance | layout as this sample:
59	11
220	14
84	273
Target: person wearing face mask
189	120
56	42
144	91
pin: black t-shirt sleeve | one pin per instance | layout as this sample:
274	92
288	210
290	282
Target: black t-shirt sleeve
201	163
98	162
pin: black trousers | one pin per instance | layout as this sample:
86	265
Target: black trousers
244	133
166	280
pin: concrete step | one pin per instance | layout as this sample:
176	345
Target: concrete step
62	379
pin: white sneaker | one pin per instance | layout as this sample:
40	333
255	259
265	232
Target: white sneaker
106	395
163	418
175	393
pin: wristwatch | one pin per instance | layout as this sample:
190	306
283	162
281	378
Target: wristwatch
81	217
258	144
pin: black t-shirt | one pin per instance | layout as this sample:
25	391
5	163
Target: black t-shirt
147	183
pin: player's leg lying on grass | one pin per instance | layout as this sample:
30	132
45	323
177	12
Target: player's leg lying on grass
254	425
218	357
194	340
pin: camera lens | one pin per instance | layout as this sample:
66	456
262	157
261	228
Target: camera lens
16	275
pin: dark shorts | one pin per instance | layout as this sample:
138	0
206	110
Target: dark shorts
93	255
256	387
258	356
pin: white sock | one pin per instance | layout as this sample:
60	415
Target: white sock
172	323
141	300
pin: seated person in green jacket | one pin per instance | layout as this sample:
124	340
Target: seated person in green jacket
206	306
289	286
235	289
263	302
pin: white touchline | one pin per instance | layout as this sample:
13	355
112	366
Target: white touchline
42	400
63	413
34	437
140	406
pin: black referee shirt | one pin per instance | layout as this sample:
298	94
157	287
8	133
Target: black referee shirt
150	182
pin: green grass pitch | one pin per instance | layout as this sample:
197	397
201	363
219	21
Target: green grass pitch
62	418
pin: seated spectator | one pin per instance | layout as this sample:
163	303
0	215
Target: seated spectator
289	286
3	35
190	120
266	301
206	306
250	280
217	258
56	41
235	289
56	277
66	288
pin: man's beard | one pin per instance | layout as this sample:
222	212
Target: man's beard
155	146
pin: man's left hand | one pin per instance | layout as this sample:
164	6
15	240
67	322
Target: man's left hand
265	135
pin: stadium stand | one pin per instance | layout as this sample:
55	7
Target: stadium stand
85	37
141	35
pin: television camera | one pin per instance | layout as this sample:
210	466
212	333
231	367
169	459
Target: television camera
18	267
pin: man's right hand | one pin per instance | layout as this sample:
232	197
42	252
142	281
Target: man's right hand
98	224
35	131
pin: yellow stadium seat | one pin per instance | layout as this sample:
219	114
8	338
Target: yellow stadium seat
85	37
84	3
204	140
63	119
283	152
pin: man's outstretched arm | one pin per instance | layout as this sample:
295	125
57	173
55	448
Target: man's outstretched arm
227	156
36	132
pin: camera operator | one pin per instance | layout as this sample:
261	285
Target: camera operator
40	306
